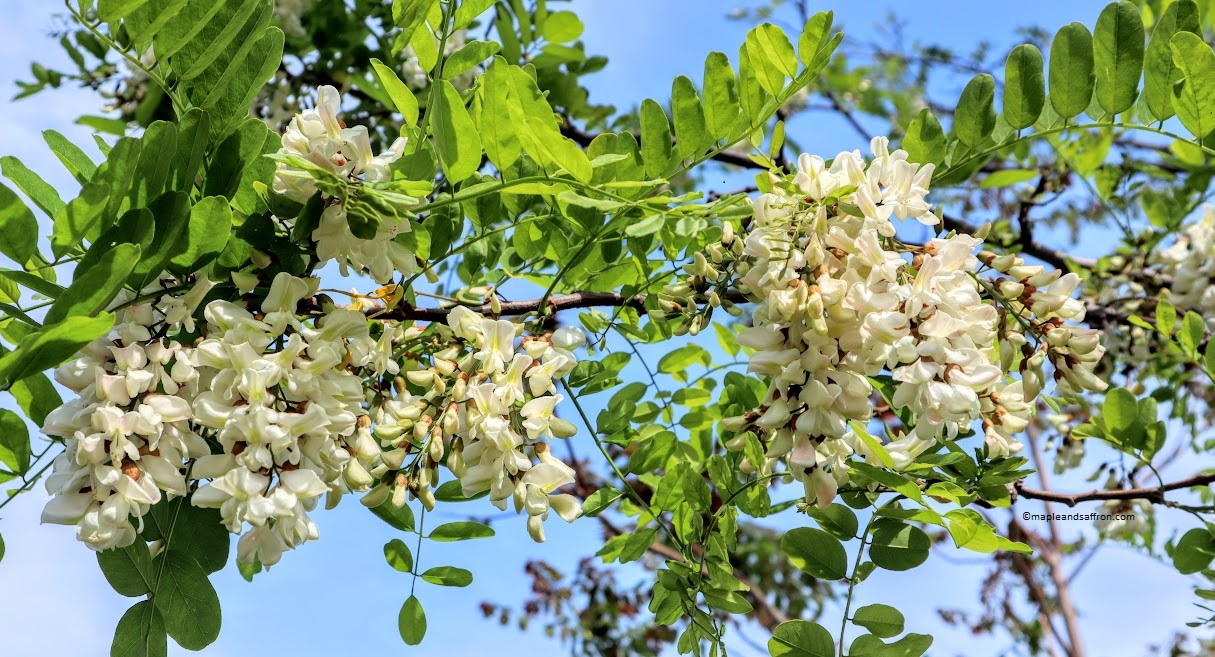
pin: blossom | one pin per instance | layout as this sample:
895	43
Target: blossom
319	137
841	301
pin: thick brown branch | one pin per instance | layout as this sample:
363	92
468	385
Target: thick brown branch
555	303
1153	494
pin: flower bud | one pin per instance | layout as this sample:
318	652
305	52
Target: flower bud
376	496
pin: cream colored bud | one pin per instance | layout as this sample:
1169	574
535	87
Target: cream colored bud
562	428
436	444
376	496
420	377
356	476
394	458
427	498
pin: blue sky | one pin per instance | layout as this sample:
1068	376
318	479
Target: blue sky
337	596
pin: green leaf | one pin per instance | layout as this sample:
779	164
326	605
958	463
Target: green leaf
879	450
562	27
1159	72
409	15
1118	56
773	56
1194	551
79	217
815	35
172	213
868	645
925	140
78	164
397	554
683	358
815	552
1024	87
38	190
1008	177
1194	97
1071	70
93	289
36	283
411	621
193	133
448	576
140	633
891	480
468	11
897	546
128	569
187	600
1121	414
1193	330
836	519
464	59
1166	316
210	225
691	132
975	117
51	346
721	108
112	10
882	620
751	93
14	442
799	638
656	148
725	600
456	138
18	227
401	518
460	531
198	533
237	163
37	397
599	500
157	149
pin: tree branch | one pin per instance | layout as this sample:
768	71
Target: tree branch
1154	494
556	303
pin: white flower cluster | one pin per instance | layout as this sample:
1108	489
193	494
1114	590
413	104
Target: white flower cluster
1190	262
285	402
843	300
281	399
320	137
487	402
290	14
127	435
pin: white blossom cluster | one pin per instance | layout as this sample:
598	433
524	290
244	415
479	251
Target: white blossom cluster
319	136
127	436
290	15
270	409
841	300
284	400
488	407
1190	262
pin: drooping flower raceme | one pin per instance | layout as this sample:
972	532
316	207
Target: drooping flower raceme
844	305
1190	263
127	436
319	137
489	404
273	408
